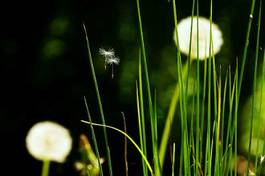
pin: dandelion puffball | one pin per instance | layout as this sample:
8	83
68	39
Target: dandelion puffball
49	141
202	33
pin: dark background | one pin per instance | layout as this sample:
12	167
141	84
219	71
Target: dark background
45	71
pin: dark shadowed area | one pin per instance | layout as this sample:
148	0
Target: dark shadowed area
45	70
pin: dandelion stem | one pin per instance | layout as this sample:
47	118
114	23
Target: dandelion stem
45	168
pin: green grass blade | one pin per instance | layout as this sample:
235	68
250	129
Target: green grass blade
128	137
99	102
141	125
94	137
217	131
150	105
174	101
222	166
262	87
235	116
198	105
125	146
173	159
246	46
254	114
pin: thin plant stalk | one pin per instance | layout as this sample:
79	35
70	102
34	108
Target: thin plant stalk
254	88
141	125
246	46
125	146
173	159
150	105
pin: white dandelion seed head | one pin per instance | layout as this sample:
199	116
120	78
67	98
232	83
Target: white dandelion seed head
106	53
113	60
251	173
49	141
203	35
109	56
262	157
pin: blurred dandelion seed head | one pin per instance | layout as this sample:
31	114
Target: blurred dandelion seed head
106	53
109	56
113	60
262	158
49	141
202	33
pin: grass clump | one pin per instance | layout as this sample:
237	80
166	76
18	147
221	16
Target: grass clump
209	131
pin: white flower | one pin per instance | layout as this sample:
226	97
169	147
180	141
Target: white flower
184	34
49	141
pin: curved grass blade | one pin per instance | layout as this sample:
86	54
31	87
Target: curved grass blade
128	137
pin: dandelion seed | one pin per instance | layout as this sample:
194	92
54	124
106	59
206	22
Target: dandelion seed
49	141
262	158
110	58
106	53
113	60
251	173
202	33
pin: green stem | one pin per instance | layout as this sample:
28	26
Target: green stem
45	168
170	117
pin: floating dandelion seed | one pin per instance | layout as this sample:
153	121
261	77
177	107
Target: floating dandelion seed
202	33
49	141
250	173
106	53
262	158
110	58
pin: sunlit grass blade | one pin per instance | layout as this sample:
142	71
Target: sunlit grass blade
185	147
174	100
236	116
208	125
198	105
217	170
254	101
173	158
222	149
129	138
99	102
141	123
149	96
262	88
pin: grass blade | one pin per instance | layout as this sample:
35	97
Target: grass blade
128	137
94	137
99	102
